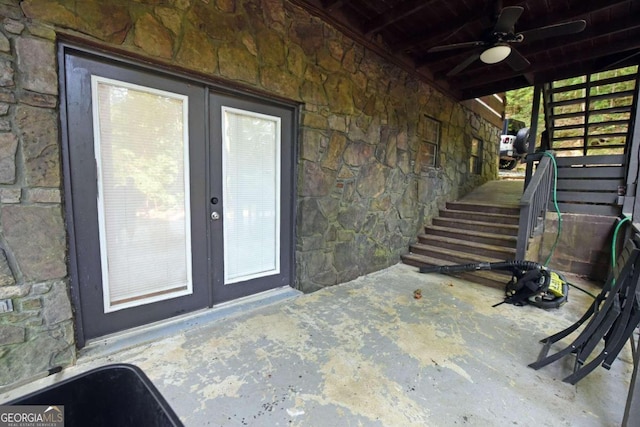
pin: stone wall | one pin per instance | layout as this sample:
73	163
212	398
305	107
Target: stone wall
38	333
364	191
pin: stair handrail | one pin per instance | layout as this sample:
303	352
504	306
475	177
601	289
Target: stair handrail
534	203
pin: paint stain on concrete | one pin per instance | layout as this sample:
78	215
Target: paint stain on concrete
361	387
431	346
216	388
163	359
276	327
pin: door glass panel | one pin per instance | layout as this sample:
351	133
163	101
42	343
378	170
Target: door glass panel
141	145
251	194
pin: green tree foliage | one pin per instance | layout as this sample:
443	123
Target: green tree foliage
607	90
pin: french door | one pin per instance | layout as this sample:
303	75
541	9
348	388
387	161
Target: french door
177	196
252	204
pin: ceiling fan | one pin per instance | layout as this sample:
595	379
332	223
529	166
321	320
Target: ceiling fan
497	45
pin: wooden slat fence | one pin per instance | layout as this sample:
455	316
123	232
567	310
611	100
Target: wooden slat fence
589	184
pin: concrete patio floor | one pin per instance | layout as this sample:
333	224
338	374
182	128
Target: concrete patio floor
366	353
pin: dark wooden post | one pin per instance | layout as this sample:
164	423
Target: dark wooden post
533	131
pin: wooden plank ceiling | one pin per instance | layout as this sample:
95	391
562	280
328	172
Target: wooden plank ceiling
406	31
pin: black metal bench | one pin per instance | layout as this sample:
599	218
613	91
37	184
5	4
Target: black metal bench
612	317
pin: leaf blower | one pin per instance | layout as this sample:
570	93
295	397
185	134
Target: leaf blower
531	283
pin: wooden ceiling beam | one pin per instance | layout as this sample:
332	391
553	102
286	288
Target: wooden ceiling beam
394	15
517	82
619	61
441	33
577	11
503	85
331	5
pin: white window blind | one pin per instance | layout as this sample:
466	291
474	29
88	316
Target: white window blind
141	147
251	190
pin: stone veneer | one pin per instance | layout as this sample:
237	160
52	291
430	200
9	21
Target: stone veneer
363	191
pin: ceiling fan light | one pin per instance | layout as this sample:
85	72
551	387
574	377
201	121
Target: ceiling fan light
495	54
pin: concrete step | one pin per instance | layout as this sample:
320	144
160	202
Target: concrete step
452	256
480	228
484	227
484	207
471	235
480	216
480	249
493	279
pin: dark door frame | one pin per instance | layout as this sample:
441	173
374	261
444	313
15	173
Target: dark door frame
83	190
72	45
222	292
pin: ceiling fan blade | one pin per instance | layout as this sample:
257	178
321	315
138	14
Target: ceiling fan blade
507	19
516	60
454	46
554	30
464	64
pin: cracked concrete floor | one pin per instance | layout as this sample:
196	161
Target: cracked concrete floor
366	353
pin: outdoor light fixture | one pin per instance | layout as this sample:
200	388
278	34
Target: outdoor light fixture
495	54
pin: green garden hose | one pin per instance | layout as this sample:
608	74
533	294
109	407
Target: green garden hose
615	239
555	204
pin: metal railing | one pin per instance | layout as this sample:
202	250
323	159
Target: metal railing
533	204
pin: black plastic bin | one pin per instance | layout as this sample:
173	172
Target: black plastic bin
112	395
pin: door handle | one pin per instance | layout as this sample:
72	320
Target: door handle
215	216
